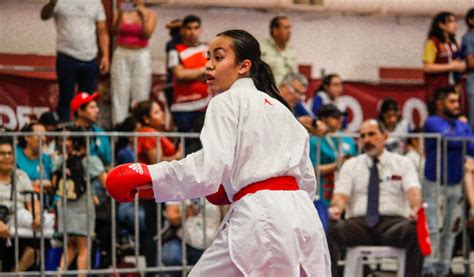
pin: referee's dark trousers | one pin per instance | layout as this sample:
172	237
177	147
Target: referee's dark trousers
393	231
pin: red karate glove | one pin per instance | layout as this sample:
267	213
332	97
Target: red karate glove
219	198
125	180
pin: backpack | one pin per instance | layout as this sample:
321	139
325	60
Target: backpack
75	184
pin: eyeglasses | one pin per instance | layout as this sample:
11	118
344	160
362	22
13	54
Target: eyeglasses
4	154
300	93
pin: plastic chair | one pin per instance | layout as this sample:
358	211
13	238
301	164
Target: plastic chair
355	258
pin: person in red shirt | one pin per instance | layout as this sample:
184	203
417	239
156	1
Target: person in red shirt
151	118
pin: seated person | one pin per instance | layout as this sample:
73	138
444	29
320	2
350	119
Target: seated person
330	91
28	159
333	151
391	118
196	241
22	185
293	90
381	195
150	117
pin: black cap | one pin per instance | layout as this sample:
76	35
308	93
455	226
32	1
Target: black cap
49	118
329	110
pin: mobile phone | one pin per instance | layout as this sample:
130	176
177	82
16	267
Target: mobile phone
127	7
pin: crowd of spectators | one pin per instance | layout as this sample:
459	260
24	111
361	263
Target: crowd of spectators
367	199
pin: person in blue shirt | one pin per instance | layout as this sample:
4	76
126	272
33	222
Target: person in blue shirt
28	157
327	154
293	89
446	123
86	112
329	92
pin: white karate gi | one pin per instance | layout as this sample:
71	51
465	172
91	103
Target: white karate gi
249	137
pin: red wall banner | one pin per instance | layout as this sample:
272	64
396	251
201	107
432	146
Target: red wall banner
24	97
363	99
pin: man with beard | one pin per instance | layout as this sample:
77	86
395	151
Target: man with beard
446	123
381	195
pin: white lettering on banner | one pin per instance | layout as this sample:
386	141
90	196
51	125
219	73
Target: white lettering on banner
411	105
350	103
21	117
23	114
9	113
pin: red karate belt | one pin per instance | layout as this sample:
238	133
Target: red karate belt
276	183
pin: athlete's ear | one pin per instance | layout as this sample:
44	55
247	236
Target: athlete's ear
244	67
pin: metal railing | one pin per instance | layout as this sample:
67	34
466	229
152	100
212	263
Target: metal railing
184	267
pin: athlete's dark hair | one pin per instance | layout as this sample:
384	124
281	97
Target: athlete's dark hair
246	47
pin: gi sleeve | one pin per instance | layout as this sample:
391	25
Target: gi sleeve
200	173
307	180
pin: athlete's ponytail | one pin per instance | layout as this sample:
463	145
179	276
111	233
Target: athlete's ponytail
246	47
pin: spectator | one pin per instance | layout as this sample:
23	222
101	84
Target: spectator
77	218
276	51
441	56
130	73
381	195
78	23
333	151
293	91
28	159
150	117
8	185
446	123
192	232
328	93
50	121
468	54
415	152
174	27
469	185
124	146
392	121
86	112
190	92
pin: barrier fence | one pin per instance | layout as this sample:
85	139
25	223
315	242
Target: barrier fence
50	244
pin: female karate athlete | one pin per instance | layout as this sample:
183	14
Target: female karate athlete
255	155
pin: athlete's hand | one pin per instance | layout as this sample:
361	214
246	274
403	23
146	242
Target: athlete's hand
125	180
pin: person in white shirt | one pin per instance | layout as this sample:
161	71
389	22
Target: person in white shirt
81	30
255	155
381	196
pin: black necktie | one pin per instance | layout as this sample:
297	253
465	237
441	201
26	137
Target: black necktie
373	217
